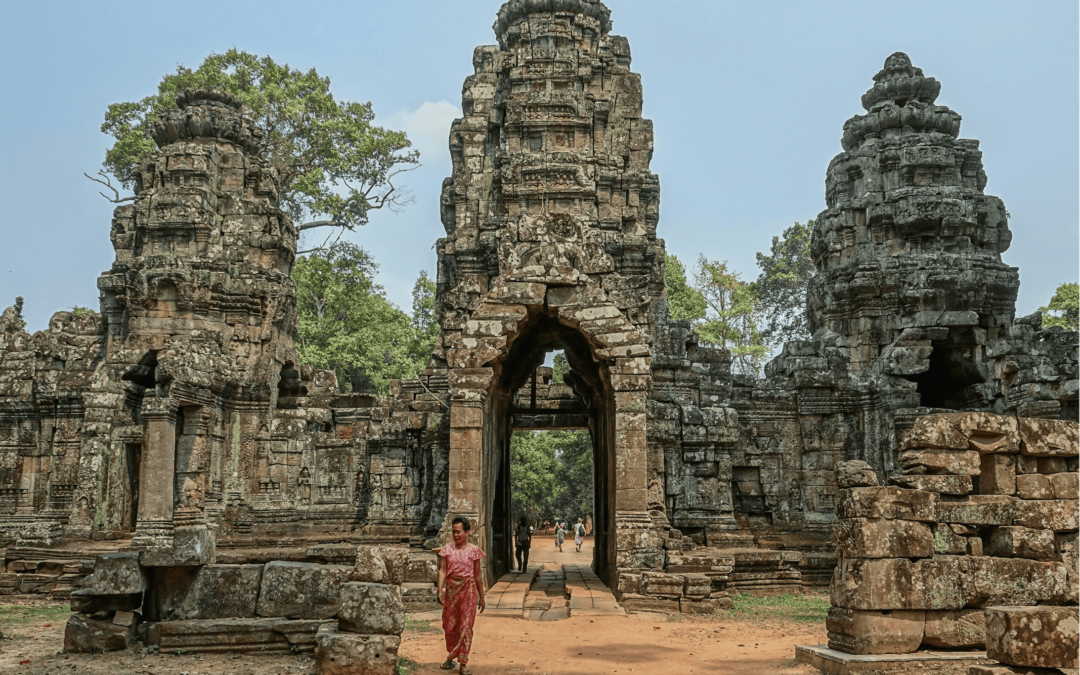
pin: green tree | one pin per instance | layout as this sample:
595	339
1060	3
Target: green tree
551	474
781	286
346	324
574	499
733	314
559	367
1066	307
684	301
425	327
335	165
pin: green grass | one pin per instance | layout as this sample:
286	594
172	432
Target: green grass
419	626
805	608
404	666
20	615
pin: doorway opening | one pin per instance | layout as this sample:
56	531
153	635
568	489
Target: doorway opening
551	441
955	366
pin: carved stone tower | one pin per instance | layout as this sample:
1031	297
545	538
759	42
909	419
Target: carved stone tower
551	243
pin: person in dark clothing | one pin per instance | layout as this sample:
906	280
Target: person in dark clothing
522	541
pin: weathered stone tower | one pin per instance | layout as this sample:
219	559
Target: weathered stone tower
551	244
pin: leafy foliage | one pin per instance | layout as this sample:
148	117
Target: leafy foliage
560	367
781	286
79	309
684	301
18	311
346	324
333	162
1066	306
732	315
551	474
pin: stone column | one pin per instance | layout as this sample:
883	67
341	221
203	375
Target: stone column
156	474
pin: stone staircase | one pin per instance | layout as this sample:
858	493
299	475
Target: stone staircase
551	593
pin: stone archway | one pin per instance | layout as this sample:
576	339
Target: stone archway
501	344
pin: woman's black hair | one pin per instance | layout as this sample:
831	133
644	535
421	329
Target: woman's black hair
463	521
523	521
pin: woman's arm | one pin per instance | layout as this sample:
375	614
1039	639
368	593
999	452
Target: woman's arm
442	580
478	575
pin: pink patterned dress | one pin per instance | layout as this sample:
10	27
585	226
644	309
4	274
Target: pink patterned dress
459	605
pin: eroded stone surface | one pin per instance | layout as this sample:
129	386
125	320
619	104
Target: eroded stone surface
861	632
955	629
301	590
1043	637
369	608
352	654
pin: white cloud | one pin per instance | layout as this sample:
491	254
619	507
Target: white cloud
428	127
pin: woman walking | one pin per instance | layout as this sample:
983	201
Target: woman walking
560	535
461	589
579	534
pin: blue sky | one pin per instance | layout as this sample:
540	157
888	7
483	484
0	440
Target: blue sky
748	102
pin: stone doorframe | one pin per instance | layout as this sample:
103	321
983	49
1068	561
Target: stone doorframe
477	350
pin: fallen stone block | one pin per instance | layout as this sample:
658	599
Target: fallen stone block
978	510
381	565
1022	542
872	632
955	629
209	592
1034	486
941	462
1040	637
897	583
301	590
190	546
989	581
1059	515
352	654
85	635
117	574
1046	437
934	431
371	609
880	538
259	635
987	432
946	485
887	502
85	602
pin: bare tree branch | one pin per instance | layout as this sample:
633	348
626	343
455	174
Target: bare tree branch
116	198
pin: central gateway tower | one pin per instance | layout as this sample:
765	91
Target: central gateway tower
551	218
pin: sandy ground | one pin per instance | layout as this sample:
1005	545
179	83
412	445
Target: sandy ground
653	644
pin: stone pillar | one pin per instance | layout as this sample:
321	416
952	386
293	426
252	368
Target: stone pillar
156	474
466	450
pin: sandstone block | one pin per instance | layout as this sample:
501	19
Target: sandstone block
870	632
352	654
880	538
955	629
887	502
208	592
978	510
1067	549
633	602
1046	437
423	567
371	609
381	564
117	574
697	586
660	584
941	462
987	581
1000	669
301	590
231	636
1034	486
1059	515
1065	485
897	583
947	541
986	432
85	635
997	475
855	473
946	485
1041	637
1022	542
85	602
704	605
190	546
934	431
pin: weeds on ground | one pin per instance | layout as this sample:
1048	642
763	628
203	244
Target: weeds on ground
419	626
404	666
804	608
21	615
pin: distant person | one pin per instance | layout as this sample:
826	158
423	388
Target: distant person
579	534
522	542
560	535
460	590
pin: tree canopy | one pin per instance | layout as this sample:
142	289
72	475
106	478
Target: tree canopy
347	325
732	315
781	286
551	474
1064	308
335	165
684	301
